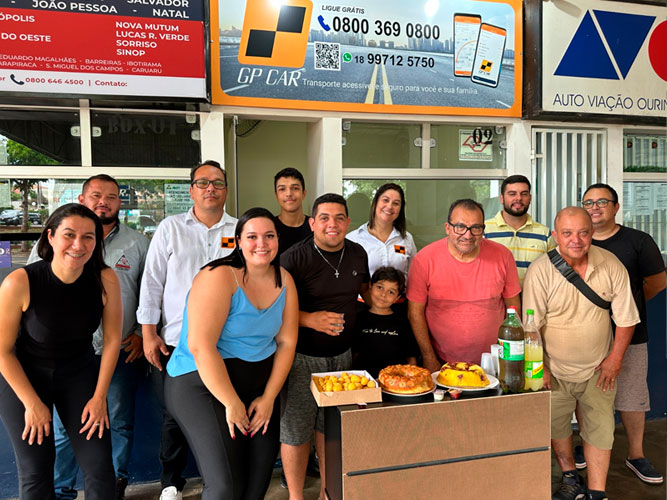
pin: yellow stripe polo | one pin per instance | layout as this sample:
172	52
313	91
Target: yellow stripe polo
526	243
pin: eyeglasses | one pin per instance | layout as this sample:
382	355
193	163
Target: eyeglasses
203	183
601	203
475	230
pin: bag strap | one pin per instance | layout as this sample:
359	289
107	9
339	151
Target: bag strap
571	275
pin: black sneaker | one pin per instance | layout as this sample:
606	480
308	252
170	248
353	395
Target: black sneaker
596	495
579	458
283	480
121	484
644	470
571	487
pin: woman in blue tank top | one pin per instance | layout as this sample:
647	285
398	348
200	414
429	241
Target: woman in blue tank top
50	310
234	354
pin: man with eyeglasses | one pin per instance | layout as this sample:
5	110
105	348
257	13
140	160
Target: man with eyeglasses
459	288
514	227
641	257
181	245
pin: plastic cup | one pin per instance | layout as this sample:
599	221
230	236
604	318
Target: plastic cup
495	354
487	364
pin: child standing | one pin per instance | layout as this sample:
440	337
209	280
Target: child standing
383	337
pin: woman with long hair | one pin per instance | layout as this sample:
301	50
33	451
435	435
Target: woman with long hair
50	310
384	236
234	353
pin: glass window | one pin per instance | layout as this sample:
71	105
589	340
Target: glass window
381	145
645	208
645	153
39	138
468	146
143	140
427	202
152	198
144	204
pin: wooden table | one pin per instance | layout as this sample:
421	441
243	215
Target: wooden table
493	448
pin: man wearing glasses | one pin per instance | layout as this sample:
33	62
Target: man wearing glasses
641	257
459	288
181	245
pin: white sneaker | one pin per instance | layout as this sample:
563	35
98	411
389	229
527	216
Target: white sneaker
171	493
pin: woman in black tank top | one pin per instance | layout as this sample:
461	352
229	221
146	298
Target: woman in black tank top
50	310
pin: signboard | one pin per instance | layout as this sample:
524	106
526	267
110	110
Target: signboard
103	47
176	199
475	145
643	198
5	254
394	56
604	57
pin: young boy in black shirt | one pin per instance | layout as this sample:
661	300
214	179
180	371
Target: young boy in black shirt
383	337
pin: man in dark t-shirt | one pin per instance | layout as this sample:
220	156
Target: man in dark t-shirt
641	257
329	272
292	225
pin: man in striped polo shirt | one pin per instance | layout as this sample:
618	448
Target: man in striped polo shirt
514	228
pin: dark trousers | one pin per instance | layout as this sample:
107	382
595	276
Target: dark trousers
173	445
238	469
68	388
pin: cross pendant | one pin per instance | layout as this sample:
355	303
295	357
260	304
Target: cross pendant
336	274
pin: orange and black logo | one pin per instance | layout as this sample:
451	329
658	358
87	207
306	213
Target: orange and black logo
275	33
227	242
399	249
486	66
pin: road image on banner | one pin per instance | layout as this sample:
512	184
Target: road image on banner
489	55
466	31
392	56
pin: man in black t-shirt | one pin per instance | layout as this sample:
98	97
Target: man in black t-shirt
641	256
292	225
329	272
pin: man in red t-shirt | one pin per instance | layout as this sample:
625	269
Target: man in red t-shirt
459	288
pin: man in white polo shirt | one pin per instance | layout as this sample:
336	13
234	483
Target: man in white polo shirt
181	245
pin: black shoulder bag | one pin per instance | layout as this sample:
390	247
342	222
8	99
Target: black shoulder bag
572	276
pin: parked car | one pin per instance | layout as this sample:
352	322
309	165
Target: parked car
10	217
15	218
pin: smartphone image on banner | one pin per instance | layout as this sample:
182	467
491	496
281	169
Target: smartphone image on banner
466	31
489	55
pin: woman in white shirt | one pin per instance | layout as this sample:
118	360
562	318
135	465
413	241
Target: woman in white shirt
384	236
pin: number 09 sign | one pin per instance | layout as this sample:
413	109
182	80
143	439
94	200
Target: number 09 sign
395	56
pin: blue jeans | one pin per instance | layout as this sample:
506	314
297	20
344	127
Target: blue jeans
120	403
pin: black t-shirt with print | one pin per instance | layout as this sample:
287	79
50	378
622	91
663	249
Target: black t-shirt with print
382	340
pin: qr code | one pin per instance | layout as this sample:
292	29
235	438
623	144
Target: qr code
327	56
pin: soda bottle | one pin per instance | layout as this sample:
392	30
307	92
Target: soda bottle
511	340
534	364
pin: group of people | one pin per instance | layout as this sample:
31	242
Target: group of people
235	316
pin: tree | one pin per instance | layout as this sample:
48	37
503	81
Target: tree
19	154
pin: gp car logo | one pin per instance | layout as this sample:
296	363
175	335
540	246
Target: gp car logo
624	35
275	34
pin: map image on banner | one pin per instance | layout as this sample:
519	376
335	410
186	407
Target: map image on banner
103	47
355	56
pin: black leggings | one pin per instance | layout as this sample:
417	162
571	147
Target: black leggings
238	469
69	389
